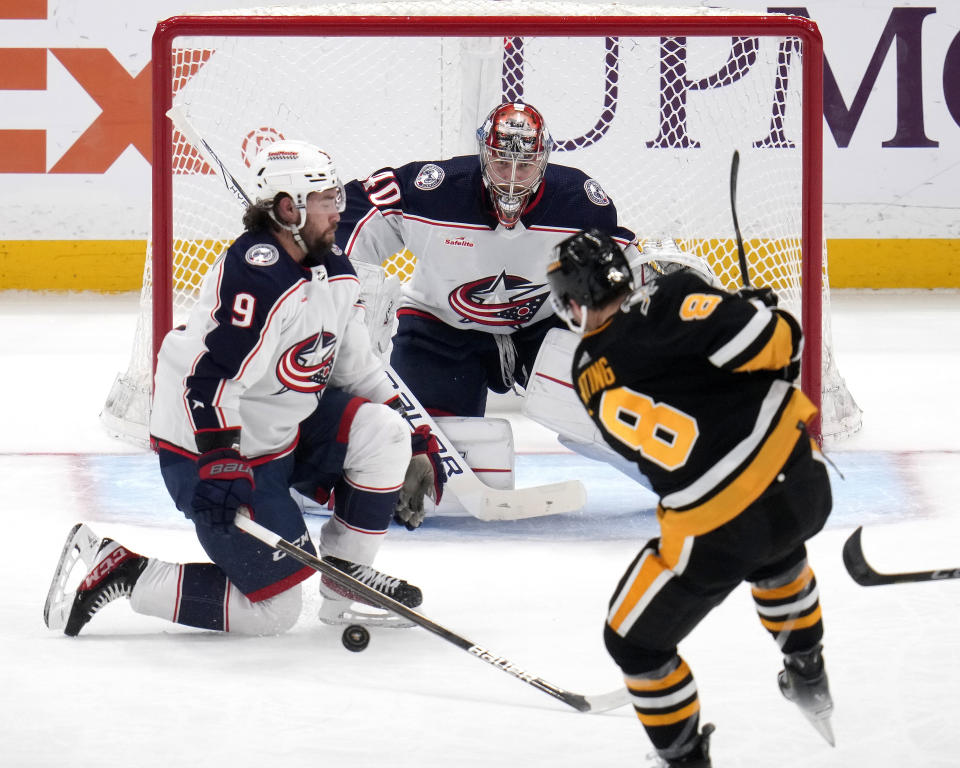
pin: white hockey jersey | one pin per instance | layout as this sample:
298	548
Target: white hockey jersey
264	340
471	272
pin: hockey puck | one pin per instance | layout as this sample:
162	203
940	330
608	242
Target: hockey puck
355	638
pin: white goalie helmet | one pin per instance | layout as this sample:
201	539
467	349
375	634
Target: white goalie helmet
514	148
297	169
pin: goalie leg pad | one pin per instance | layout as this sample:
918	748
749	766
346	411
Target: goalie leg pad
604	453
486	444
550	398
552	402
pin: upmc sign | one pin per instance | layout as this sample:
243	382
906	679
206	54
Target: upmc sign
903	30
124	97
75	113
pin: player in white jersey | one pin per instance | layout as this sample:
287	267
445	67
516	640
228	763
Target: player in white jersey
481	227
271	385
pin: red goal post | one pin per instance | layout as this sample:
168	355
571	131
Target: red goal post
649	145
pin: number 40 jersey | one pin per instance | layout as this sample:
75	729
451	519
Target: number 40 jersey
471	273
689	382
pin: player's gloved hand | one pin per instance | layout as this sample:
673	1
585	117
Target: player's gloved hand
425	477
766	295
226	483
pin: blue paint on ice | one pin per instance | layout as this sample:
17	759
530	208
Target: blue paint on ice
877	487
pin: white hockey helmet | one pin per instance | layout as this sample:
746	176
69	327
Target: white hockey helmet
297	169
514	148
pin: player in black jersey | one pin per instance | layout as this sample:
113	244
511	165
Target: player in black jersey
694	384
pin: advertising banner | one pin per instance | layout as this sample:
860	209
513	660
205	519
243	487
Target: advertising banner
75	139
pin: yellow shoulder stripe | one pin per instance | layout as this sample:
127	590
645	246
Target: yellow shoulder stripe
776	352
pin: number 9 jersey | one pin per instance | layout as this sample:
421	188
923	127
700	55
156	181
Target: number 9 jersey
692	384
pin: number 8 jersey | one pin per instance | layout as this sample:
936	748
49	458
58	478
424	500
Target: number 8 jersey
689	382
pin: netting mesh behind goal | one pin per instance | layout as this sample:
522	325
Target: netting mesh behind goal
650	103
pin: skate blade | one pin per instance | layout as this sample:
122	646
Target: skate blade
341	612
81	545
822	725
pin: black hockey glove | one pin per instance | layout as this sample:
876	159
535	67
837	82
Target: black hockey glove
790	372
226	483
425	477
766	295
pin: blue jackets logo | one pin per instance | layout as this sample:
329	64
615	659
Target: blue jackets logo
504	300
262	255
595	192
296	372
430	177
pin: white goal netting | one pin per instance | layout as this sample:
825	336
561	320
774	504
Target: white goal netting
650	102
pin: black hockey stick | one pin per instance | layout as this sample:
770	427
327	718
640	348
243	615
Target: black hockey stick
599	703
178	117
734	171
863	573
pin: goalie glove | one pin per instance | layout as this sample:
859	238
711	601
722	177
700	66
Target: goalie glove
425	477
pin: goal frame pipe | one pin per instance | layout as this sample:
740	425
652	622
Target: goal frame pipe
759	25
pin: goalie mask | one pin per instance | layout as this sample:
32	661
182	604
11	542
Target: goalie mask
514	148
295	168
590	269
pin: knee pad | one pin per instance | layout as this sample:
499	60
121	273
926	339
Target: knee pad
272	616
633	658
378	448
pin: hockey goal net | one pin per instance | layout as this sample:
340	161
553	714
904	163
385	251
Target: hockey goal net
650	102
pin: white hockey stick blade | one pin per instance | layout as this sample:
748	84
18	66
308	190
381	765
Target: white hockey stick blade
486	503
605	702
479	499
81	546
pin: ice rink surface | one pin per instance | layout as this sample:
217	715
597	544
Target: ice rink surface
132	690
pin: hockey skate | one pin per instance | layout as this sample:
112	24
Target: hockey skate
81	545
344	606
115	570
698	757
803	680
